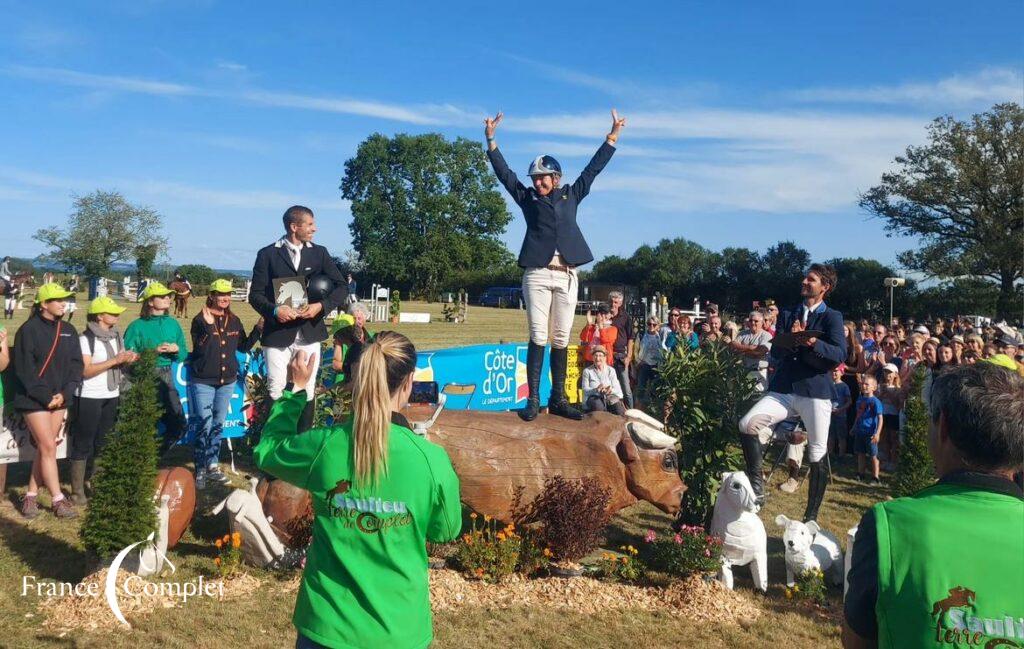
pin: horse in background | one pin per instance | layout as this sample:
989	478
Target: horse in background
20	280
182	292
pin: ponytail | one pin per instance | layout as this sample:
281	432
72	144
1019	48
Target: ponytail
383	366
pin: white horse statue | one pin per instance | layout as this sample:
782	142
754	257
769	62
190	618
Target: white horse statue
735	521
260	545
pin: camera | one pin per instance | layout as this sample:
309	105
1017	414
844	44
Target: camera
893	282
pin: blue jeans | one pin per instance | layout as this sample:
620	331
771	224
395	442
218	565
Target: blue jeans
209	408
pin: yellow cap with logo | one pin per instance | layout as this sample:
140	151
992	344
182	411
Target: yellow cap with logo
52	291
105	304
221	286
154	289
1001	360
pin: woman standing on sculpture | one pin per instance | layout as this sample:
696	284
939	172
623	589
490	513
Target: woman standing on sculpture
379	491
48	366
552	250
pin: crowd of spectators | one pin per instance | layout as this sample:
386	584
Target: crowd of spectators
883	353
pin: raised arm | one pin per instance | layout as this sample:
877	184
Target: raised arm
505	175
581	187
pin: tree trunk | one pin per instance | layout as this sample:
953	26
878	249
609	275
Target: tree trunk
1007	307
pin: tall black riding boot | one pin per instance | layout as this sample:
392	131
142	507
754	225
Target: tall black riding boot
753	456
534	363
557	403
818	481
306	418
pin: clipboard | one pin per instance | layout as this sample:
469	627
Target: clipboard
791	340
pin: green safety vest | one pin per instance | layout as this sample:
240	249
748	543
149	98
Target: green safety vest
951	569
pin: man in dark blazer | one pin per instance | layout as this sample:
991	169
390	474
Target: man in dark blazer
801	384
552	250
286	329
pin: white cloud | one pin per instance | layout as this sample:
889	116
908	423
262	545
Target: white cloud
231	66
101	81
988	86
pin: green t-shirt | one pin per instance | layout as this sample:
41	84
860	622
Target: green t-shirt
366	578
143	334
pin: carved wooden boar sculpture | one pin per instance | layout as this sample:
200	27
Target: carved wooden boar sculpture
495	452
177	483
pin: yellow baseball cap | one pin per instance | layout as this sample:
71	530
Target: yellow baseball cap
1001	360
154	289
221	286
52	291
105	305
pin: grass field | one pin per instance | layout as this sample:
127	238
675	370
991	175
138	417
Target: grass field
49	549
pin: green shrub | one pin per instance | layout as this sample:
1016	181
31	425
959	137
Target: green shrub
702	394
122	511
914	470
396	304
690	551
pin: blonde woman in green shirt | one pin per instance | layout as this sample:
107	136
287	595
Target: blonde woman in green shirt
380	492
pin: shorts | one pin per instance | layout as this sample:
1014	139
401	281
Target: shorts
863	444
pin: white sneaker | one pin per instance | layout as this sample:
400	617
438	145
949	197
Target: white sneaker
789	486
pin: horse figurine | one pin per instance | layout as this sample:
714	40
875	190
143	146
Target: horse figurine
182	292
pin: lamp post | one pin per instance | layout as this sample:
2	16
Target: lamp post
891	283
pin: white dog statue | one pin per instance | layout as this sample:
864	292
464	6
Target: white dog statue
151	555
260	545
735	521
808	547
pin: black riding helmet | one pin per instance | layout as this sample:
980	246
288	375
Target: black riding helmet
543	165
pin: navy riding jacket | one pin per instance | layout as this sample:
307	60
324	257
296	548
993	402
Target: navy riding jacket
551	220
807	371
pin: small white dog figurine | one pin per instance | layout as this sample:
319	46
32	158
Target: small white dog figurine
808	547
735	521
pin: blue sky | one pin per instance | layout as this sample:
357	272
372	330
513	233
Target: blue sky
747	122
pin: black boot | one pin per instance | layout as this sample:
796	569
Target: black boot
534	363
753	456
557	403
818	481
306	418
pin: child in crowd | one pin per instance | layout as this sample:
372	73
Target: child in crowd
867	428
841	402
891	394
599	331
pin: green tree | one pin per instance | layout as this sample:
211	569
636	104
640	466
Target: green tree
784	265
861	294
962	296
704	394
197	274
424	208
145	257
915	470
122	510
960	195
104	228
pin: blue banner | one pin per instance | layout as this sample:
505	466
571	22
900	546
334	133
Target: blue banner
482	377
236	423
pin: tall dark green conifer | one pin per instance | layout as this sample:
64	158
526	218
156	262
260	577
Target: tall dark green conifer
915	470
121	510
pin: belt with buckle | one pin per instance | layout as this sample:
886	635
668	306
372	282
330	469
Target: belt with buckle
565	269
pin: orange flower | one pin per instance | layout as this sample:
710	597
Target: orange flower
625	559
479	572
501	536
216	561
473	515
237	536
227	538
547	552
487	518
236	542
218	543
